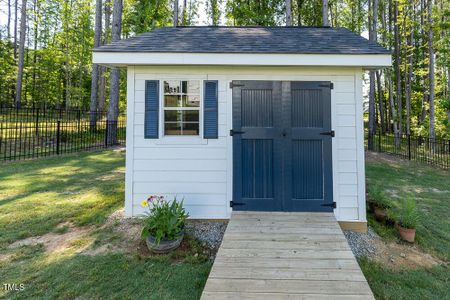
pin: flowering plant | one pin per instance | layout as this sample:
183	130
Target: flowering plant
164	219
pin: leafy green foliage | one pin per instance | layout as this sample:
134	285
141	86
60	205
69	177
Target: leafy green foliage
378	197
165	219
407	214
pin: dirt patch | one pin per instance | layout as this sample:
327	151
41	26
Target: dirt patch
54	242
123	235
401	255
394	254
383	157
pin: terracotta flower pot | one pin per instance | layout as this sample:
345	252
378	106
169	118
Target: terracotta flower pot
164	245
380	213
407	234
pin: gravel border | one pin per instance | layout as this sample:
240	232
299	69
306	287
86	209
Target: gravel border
362	244
210	232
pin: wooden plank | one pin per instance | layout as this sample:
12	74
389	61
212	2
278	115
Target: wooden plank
347	264
286	237
280	296
298	245
288	253
285	229
286	273
287	286
255	221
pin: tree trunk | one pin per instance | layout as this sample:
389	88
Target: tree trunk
103	70
431	70
373	13
114	88
393	112
288	13
183	13
299	12
325	13
397	68
15	28
381	103
95	67
23	23
408	91
8	24
175	13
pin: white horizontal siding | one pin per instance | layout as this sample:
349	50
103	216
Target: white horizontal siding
180	176
201	170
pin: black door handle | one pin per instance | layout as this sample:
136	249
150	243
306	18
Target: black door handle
284	133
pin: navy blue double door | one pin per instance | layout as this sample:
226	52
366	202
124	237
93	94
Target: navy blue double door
282	159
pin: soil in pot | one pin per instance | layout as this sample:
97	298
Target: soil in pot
407	234
380	213
164	245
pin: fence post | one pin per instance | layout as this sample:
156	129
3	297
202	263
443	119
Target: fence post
409	146
106	133
79	121
37	122
58	135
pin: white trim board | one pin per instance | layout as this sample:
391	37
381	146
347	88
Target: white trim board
369	61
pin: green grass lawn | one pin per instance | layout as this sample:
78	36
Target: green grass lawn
36	196
431	189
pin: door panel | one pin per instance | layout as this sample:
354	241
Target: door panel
257	148
308	165
281	161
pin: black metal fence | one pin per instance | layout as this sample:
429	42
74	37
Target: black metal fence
430	151
31	133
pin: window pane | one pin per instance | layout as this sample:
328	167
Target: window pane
191	115
172	101
172	87
191	101
173	116
190	128
172	128
191	87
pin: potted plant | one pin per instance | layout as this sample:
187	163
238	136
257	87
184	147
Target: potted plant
164	223
407	218
380	203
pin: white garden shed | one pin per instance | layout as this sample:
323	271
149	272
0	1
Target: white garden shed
246	118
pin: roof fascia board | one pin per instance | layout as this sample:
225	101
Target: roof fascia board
253	59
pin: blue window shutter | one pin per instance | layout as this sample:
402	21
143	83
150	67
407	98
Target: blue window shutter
151	109
210	109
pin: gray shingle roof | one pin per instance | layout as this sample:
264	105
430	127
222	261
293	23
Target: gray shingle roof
301	40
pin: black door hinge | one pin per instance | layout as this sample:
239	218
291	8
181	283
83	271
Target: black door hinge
232	203
332	204
233	132
232	85
330	85
330	133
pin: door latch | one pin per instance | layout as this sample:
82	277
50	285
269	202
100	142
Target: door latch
233	132
232	203
330	133
332	204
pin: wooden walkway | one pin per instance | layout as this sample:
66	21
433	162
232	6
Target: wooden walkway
274	255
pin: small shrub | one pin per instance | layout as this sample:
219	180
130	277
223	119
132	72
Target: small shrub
407	215
378	197
165	219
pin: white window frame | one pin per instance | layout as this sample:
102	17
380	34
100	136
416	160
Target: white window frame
180	139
